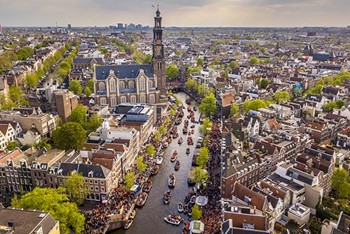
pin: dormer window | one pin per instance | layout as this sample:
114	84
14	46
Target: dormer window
90	174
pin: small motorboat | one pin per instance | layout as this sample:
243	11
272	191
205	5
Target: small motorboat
171	181
175	135
133	214
177	165
180	207
128	224
141	199
147	186
165	144
192	126
174	156
184	130
167	197
159	160
193	199
195	108
173	219
154	170
180	141
192	131
188	151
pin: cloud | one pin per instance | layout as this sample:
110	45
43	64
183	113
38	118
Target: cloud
175	12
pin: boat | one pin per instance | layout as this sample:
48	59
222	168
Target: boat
174	156
167	197
193	199
173	219
132	214
171	181
180	207
188	151
154	170
128	224
159	160
165	145
141	199
176	135
194	108
192	131
180	141
147	186
177	165
184	130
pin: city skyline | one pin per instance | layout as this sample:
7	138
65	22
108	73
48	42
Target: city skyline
199	13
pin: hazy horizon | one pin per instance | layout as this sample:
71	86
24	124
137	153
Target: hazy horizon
176	13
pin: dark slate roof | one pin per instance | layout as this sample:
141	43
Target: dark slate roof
25	221
344	223
299	176
313	97
123	71
99	171
88	60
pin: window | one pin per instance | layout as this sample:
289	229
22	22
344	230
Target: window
150	84
142	84
101	86
96	188
102	182
103	101
121	84
131	84
123	99
133	99
112	85
142	98
152	99
113	101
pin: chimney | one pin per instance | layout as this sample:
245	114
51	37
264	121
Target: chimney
11	225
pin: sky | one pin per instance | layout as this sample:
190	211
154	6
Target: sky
181	13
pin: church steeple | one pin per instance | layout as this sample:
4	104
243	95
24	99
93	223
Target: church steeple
158	59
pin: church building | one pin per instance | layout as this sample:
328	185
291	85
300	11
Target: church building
116	84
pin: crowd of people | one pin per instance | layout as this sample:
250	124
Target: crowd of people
120	202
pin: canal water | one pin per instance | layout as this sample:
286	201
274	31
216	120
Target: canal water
150	218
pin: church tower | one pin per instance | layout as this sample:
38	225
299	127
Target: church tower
158	60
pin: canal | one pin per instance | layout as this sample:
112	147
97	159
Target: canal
150	218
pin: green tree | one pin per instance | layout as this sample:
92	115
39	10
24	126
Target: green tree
32	80
254	61
162	130
87	92
328	107
224	74
129	180
75	186
196	212
190	84
234	65
172	113
78	115
206	126
141	166
234	109
41	145
75	87
90	85
167	121
263	83
208	105
157	136
200	62
55	202
150	150
281	96
172	72
340	103
200	175
93	123
15	94
203	157
202	90
340	183
254	105
70	135
11	145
